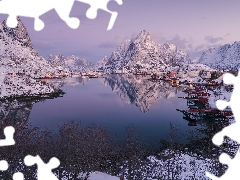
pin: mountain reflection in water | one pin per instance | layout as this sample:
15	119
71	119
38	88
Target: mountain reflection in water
138	90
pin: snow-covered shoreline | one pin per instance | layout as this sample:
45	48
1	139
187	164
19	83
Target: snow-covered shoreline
23	86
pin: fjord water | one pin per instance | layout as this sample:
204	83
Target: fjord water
115	102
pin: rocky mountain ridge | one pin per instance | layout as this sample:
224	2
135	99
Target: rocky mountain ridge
70	63
226	57
143	53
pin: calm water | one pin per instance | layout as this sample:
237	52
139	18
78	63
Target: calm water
115	102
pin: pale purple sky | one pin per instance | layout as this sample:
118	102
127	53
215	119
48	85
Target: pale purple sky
192	25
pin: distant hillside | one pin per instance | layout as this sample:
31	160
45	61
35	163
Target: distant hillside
70	63
226	57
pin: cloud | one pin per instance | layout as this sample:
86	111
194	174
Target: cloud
201	47
212	39
114	43
180	42
157	37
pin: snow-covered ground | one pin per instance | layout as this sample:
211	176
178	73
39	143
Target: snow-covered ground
22	86
181	166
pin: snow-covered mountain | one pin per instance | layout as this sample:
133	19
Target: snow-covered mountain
143	53
17	53
139	90
70	63
226	57
100	65
20	64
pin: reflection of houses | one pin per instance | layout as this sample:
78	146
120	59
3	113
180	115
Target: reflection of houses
201	96
199	108
194	115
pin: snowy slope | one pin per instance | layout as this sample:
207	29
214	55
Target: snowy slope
22	86
225	57
17	53
70	63
100	65
143	53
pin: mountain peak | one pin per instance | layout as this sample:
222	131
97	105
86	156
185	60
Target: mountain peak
18	34
143	35
145	54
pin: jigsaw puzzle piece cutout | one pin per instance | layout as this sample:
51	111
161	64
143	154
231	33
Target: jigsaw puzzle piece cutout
229	78
230	131
63	8
3	165
8	141
18	176
233	129
233	167
8	132
27	8
221	105
101	4
36	8
44	170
